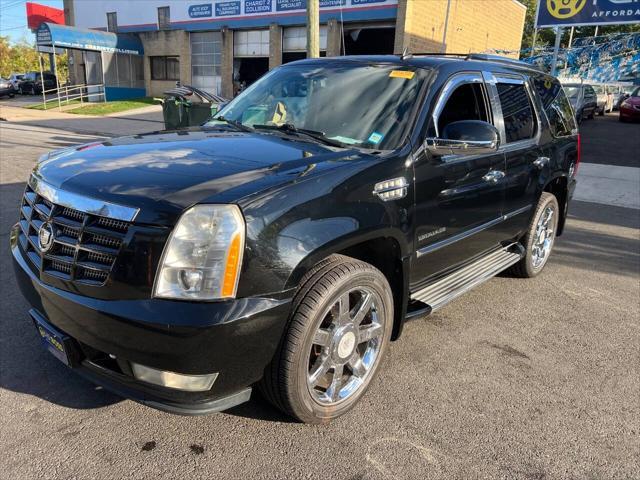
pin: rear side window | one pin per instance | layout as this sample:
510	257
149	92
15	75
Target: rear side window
519	120
556	105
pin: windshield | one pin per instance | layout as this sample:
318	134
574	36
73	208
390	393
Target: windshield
636	92
572	92
598	88
354	104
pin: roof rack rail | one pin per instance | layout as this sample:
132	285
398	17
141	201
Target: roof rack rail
438	54
485	57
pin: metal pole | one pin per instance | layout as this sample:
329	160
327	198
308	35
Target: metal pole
55	72
446	25
533	44
556	49
44	98
566	60
313	28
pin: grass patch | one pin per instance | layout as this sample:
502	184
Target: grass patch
52	104
102	108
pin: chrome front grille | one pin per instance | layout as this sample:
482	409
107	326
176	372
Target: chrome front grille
86	242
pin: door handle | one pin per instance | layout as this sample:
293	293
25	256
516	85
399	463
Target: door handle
493	176
541	162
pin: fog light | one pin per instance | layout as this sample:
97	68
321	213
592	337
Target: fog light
189	383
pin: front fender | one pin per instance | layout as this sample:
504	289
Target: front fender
292	228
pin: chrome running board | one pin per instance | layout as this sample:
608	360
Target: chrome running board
444	290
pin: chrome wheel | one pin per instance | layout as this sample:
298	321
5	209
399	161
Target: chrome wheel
544	237
345	346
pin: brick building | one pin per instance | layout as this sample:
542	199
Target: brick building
221	45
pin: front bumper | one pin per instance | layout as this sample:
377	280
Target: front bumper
236	338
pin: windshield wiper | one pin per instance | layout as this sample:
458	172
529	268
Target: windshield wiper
291	128
234	123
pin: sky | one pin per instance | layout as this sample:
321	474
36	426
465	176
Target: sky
13	18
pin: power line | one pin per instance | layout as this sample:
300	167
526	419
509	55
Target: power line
13	28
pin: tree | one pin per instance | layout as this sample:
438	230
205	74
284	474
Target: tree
22	57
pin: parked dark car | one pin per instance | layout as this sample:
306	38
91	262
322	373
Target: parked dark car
32	83
6	89
285	243
630	107
584	100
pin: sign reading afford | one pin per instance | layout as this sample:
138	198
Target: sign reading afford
572	13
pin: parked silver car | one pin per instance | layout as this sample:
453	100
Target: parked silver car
6	88
15	79
604	98
583	99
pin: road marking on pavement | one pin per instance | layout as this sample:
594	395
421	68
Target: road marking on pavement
608	185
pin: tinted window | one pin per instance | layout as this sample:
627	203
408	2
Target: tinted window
519	123
556	105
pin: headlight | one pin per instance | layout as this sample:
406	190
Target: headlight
626	104
203	256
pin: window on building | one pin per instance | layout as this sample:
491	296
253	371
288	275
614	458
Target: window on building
165	68
556	106
466	102
517	111
112	22
164	18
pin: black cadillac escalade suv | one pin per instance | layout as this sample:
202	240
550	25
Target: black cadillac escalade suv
283	244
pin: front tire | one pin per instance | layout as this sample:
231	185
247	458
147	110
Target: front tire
338	334
540	238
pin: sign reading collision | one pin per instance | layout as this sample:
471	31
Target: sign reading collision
572	13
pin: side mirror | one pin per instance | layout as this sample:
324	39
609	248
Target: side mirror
466	137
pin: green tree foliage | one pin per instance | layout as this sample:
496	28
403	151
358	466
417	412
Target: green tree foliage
547	36
22	57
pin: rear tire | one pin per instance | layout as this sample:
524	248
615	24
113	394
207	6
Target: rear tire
338	334
539	239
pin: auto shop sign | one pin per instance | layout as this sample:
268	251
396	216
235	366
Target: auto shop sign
573	13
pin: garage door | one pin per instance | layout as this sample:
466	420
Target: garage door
294	39
251	43
206	58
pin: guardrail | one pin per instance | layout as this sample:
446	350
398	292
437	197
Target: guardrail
68	93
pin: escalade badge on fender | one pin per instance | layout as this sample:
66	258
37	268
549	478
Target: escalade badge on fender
45	237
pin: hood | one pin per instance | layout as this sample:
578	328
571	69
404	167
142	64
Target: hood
163	173
633	100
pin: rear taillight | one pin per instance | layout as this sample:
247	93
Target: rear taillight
574	170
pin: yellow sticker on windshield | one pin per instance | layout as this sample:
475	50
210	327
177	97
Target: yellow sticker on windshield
402	74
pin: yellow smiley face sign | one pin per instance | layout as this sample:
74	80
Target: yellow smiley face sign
565	8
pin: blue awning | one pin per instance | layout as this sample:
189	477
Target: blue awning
64	36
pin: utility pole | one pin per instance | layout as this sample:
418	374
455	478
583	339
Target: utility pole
313	28
446	25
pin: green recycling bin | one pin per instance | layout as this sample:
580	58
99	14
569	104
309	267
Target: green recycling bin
186	106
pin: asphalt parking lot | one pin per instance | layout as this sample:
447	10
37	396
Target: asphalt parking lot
526	379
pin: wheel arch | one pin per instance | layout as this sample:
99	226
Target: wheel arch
559	187
384	250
